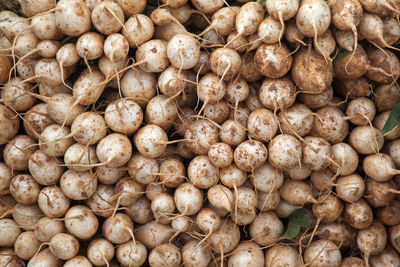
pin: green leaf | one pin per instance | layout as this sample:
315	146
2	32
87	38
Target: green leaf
393	119
299	218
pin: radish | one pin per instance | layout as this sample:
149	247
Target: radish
140	86
248	18
114	150
389	215
64	246
131	253
116	47
266	228
107	17
277	94
388	257
346	159
319	15
123	116
281	255
379	167
140	211
89	86
386	96
346	16
203	65
248	68
273	60
371	27
316	101
211	89
26	245
328	209
380	121
138	29
143	169
44	257
165	254
391	30
201	135
232	133
322	253
292	33
248	253
244	209
172	81
88	128
188	191
78	261
240	113
325	45
195	253
225	239
339	233
45	28
296	192
345	39
392	149
55	140
53	202
169	30
310	72
128	191
26	216
81	222
351	66
285	151
150	141
153	234
62	109
220	197
358	214
154	189
183	51
361	111
317	153
250	155
47	227
163	207
72	17
350	188
266	178
15	94
9	231
118	229
282	10
67	55
24	189
5	178
17	152
298	172
108	175
372	240
132	7
385	66
297	119
100	252
101	202
366	139
78	185
217	112
206	6
330	125
225	63
262	125
151	56
161	111
379	194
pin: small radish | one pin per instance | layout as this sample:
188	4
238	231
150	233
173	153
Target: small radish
152	56
150	141
53	202
285	151
140	211
131	253
379	167
313	17
366	139
317	153
280	255
358	214
183	51
330	124
81	222
346	159
47	227
100	251
273	60
350	188
201	135
118	229
322	253
248	253
296	192
361	111
310	72
89	128
138	29
266	228
72	17
114	150
153	234
262	125
101	203
250	155
185	192
319	100
372	240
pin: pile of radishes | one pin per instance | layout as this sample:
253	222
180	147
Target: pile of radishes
185	133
